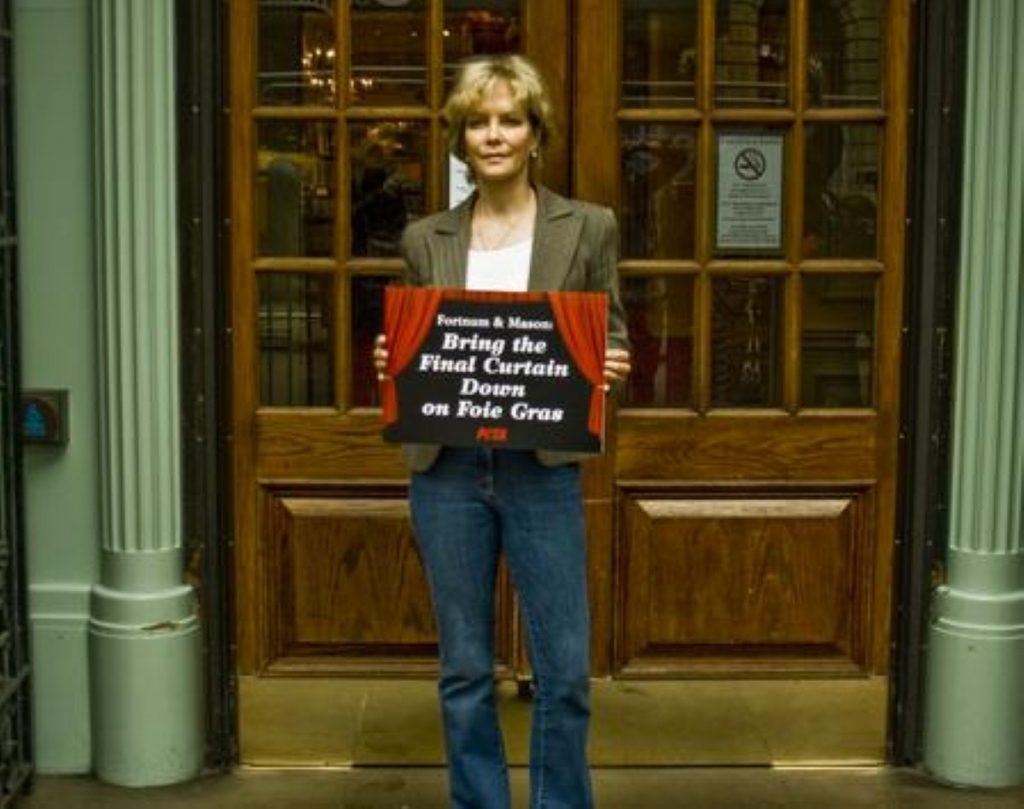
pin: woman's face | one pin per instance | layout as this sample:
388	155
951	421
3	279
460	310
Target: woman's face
499	137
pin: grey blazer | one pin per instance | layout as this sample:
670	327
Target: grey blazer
575	247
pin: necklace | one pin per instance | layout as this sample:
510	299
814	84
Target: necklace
493	233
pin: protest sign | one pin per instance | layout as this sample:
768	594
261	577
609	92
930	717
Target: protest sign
519	370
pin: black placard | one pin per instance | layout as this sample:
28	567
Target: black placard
497	372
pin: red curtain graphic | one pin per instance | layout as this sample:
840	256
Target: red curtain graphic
408	315
582	319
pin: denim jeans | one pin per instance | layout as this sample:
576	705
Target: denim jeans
471	505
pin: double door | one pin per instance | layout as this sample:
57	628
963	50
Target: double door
740	525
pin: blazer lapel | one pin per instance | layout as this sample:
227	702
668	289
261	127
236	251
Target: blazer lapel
453	232
555	236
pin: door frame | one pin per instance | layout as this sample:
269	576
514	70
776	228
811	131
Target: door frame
203	60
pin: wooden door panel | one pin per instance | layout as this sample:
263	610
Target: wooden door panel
346	588
744	582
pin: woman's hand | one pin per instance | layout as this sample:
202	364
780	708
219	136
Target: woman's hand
616	366
380	356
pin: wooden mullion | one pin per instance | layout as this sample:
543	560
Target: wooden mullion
342	209
295	113
413	113
294	265
343	49
702	342
643	116
436	153
793	320
749	267
845	115
703	245
373	266
752	116
637	266
845	266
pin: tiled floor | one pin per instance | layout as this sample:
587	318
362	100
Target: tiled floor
424	788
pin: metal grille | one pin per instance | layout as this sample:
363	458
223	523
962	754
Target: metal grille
15	703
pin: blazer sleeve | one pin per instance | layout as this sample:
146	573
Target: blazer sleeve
608	280
413	251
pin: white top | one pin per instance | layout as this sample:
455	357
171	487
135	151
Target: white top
506	269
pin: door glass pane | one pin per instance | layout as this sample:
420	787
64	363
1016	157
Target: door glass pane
475	27
746	331
844	58
389	52
296	54
658	199
841	191
751	53
659	314
367	323
838	340
296	351
295	196
388	167
659	53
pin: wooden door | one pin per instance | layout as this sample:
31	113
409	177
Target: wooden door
740	526
754	151
336	143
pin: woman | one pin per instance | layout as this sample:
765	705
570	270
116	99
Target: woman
470	504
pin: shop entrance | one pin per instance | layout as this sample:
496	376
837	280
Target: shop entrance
741	524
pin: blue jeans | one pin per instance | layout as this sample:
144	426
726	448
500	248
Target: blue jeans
471	505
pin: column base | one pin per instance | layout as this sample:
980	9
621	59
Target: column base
974	720
145	667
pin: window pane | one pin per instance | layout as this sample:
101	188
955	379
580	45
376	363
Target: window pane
296	351
659	58
389	53
474	27
296	54
746	331
388	166
367	323
295	199
657	202
841	191
838	340
659	314
752	53
844	59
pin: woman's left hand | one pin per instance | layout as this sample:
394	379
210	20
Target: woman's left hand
616	366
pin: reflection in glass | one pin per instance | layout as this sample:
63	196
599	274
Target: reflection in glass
295	195
296	54
388	165
844	59
389	53
476	27
746	326
367	323
841	191
659	53
657	201
838	340
659	315
296	356
751	53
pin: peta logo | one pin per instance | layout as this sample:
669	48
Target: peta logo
492	435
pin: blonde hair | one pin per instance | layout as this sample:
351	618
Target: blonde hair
476	78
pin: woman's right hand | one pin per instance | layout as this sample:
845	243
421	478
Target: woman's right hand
380	356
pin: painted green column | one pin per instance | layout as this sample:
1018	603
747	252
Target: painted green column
144	633
974	722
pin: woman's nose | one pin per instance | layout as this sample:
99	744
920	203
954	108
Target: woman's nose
493	130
